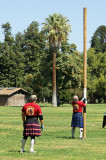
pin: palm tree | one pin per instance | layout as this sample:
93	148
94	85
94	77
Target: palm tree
56	28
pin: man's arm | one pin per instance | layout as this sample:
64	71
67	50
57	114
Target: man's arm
23	117
41	121
84	102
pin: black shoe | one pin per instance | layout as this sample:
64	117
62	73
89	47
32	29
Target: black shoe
72	137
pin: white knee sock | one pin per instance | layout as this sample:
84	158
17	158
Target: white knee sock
73	131
32	145
23	144
81	132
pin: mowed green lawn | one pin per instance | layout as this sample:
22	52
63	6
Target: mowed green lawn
55	142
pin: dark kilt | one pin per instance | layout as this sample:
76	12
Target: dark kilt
31	127
77	120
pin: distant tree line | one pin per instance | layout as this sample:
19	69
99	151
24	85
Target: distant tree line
26	62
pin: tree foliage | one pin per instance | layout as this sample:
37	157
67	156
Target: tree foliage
57	29
98	40
96	75
26	61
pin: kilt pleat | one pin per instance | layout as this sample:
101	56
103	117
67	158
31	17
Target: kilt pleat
32	129
77	120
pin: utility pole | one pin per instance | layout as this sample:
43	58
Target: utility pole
85	66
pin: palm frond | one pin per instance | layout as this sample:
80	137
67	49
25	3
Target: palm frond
57	29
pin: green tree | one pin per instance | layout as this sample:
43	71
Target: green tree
33	49
6	58
96	71
98	40
7	33
10	66
57	29
101	87
69	70
11	60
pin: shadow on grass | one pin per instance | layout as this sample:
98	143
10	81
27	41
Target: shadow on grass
64	137
15	151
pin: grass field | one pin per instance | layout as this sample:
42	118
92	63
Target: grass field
55	142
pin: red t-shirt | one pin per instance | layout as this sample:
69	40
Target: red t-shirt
31	109
77	106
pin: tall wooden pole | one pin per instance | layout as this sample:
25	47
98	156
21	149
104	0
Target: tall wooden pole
85	66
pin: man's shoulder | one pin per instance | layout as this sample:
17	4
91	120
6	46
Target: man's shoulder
27	104
34	104
76	102
79	102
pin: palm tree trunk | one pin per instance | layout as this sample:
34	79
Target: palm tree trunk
54	97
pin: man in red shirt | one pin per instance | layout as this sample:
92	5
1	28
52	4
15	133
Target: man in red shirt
30	114
77	119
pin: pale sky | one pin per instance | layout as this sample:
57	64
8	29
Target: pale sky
20	14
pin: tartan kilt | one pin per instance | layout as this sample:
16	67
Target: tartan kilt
77	120
32	129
